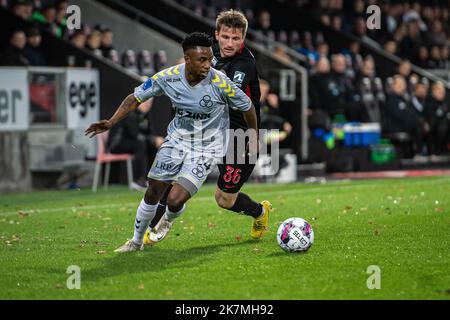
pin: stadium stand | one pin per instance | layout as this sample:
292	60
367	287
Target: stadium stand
344	75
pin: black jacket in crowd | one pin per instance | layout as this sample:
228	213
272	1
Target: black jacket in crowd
437	111
400	115
12	56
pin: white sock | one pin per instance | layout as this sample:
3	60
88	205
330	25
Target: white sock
173	215
145	213
262	212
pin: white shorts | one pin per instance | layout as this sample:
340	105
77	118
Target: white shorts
188	168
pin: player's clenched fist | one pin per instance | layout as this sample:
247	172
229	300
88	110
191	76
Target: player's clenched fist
98	127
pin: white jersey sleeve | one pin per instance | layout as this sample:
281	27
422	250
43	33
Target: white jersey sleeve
148	89
232	94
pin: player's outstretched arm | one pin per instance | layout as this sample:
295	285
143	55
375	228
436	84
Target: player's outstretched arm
252	123
128	104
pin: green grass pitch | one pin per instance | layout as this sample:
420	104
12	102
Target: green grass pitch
400	225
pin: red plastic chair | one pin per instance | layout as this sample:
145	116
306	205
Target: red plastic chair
107	158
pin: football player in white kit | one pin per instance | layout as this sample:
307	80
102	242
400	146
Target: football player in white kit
197	136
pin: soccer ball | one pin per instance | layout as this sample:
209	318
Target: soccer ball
295	235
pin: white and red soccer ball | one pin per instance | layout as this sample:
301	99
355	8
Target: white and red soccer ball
295	235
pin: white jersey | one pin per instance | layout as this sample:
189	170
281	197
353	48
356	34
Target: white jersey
201	111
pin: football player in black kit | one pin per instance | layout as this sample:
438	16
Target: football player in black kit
233	58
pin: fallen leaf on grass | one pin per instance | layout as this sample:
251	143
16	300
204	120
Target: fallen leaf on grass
83	214
101	252
238	237
23	214
141	286
438	209
211	225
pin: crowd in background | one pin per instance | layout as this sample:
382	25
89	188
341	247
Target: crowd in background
24	46
414	30
341	84
346	84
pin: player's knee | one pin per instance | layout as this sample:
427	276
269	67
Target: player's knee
175	203
154	193
224	200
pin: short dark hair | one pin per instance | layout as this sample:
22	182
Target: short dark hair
196	39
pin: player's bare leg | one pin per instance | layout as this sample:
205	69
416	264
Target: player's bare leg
243	204
145	213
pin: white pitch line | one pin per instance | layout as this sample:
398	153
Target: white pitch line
322	188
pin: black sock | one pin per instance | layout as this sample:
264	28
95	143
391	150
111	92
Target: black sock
161	208
244	204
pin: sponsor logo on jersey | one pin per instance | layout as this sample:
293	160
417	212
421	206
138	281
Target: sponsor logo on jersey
206	102
238	78
148	84
173	79
192	115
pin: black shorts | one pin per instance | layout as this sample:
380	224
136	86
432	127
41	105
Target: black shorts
233	176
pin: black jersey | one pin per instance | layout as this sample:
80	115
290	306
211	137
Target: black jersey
241	68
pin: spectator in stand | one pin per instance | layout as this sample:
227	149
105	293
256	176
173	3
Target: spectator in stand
358	11
336	22
419	97
307	48
131	136
371	93
409	45
445	56
107	42
422	57
46	19
437	35
323	49
360	29
270	111
391	47
22	9
325	19
354	53
345	96
438	115
404	69
400	115
94	41
327	99
78	39
435	61
263	24
33	51
319	87
61	17
13	54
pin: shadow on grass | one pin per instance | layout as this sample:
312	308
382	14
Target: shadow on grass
156	259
